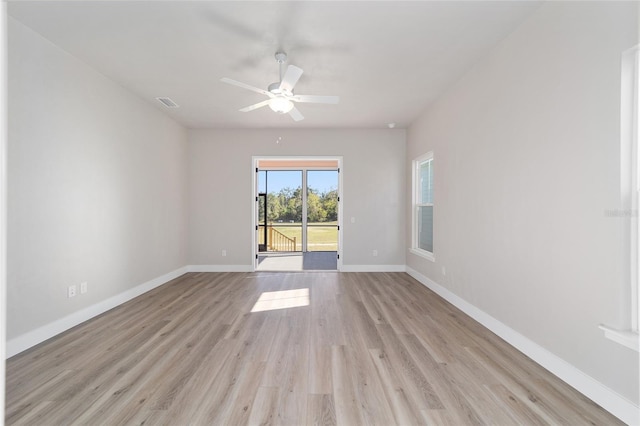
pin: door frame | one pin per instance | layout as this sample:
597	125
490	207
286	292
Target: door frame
254	193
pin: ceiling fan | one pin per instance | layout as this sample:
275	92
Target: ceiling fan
281	96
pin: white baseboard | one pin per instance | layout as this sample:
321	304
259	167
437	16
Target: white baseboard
373	268
39	335
611	401
249	268
220	268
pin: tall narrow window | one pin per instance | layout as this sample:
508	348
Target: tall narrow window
631	167
630	194
635	191
422	244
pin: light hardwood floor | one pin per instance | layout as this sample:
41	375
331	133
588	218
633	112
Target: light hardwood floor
369	348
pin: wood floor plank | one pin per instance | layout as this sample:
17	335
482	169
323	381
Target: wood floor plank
412	378
319	376
195	392
265	407
405	411
358	374
366	348
221	391
182	367
144	417
458	410
344	394
238	409
22	407
289	355
392	315
136	390
357	325
477	395
321	410
526	390
123	397
36	415
516	407
573	404
366	292
444	418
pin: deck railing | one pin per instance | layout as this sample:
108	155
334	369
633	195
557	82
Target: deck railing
280	242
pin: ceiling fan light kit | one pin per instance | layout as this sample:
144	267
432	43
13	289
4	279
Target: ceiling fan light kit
280	105
281	97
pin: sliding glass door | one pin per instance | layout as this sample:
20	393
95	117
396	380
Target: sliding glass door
297	210
322	210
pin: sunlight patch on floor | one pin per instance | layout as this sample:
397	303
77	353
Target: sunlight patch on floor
284	299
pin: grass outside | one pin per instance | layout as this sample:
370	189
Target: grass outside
320	236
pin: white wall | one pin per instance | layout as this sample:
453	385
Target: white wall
220	201
96	185
527	161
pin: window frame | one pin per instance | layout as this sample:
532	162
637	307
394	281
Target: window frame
416	204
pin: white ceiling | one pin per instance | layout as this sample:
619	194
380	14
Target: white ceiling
387	60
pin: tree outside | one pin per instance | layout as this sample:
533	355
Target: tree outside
285	206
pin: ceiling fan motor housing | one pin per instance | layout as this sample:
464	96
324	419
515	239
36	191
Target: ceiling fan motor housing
276	90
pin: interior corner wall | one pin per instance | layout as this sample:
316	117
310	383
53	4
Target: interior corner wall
221	202
96	186
527	163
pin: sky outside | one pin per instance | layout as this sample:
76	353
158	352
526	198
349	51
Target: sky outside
320	180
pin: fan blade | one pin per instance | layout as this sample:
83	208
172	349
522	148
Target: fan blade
256	106
291	77
295	114
316	99
246	86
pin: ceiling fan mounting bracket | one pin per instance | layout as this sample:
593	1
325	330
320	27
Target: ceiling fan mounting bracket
281	57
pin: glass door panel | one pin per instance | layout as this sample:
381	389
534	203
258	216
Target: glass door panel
283	210
322	210
262	222
262	211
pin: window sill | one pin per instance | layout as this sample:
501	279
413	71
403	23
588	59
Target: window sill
423	253
626	338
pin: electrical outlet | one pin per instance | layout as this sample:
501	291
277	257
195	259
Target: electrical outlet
375	253
224	253
71	291
83	287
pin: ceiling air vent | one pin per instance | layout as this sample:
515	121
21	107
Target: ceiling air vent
168	103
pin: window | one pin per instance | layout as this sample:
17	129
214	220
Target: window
422	228
630	191
632	111
630	168
635	189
